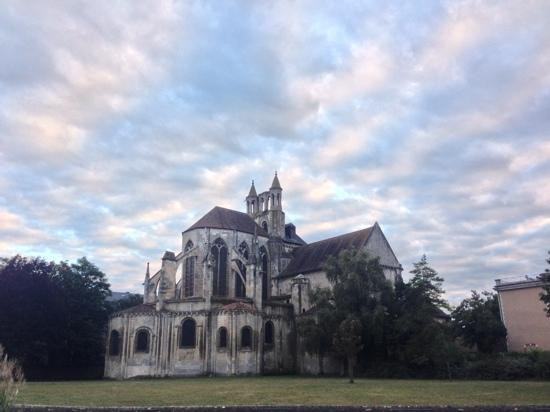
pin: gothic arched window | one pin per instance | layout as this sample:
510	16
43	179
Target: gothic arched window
268	333
142	341
188	332
222	337
246	337
189	281
188	246
114	343
264	269
240	284
264	225
219	254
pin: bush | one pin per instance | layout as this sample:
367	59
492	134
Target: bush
11	380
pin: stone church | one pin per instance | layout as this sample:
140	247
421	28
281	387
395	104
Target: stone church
227	302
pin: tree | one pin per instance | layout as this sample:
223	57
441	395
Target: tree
85	291
545	294
32	311
52	315
420	337
316	330
347	342
428	282
477	322
361	291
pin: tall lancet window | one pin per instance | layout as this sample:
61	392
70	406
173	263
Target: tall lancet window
189	281
264	269
240	283
219	255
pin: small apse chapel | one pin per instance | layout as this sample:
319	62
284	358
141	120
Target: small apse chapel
226	303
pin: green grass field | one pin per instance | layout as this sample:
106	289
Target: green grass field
284	391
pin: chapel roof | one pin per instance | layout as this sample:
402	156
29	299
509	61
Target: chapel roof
311	257
222	218
239	306
142	308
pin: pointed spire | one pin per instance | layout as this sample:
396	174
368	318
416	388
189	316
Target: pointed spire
275	184
252	192
147	274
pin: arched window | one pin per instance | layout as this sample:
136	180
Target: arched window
268	333
222	337
264	269
219	254
189	281
264	225
240	284
188	331
142	341
243	249
188	246
246	337
114	343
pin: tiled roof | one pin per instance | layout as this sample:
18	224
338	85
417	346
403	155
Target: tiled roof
291	236
310	258
239	306
143	308
222	218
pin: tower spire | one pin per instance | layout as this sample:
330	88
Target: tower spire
276	184
252	192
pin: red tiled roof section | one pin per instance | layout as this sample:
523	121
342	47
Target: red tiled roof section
239	306
222	218
310	258
143	308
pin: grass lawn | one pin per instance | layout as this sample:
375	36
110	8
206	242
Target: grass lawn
283	391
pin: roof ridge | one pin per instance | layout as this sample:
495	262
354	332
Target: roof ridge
338	236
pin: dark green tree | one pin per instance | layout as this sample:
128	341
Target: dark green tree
85	291
476	321
316	330
347	342
420	336
428	283
360	291
53	316
32	311
545	294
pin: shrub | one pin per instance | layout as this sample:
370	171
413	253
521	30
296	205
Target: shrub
11	380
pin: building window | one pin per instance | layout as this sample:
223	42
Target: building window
240	283
142	341
189	285
219	254
222	338
268	333
246	337
264	270
114	343
188	332
188	246
264	226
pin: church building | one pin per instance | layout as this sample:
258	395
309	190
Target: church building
227	302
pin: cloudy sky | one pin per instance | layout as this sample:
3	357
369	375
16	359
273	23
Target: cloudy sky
121	123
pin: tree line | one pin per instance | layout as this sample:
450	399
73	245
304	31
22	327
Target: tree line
53	316
409	329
